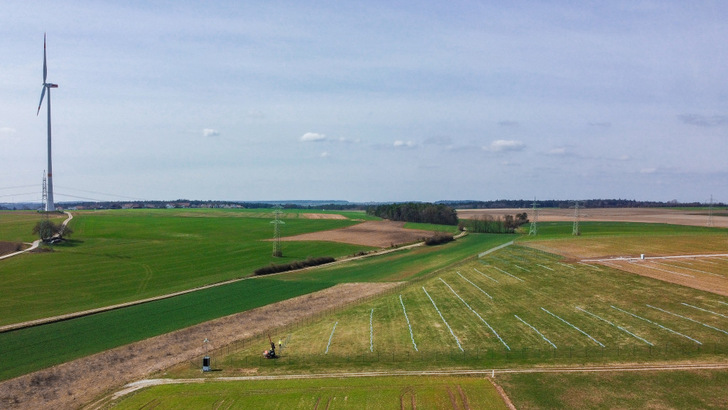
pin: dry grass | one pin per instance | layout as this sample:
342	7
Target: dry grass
704	273
648	215
618	246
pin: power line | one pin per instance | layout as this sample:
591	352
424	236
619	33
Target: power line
102	193
19	186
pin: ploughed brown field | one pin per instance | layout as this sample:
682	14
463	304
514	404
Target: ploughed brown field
380	234
648	215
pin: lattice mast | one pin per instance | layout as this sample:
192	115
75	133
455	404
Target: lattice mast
277	251
44	195
575	229
533	230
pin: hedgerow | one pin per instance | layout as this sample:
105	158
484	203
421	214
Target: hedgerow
267	270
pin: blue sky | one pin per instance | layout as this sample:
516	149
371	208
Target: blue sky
367	101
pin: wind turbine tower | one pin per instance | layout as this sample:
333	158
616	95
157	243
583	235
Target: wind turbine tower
50	205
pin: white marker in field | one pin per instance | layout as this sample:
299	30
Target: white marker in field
412	336
330	337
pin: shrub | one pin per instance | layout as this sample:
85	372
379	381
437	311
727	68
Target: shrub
439	238
267	270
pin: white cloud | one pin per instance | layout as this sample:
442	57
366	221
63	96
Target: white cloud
312	136
209	132
648	170
404	144
325	154
505	146
7	131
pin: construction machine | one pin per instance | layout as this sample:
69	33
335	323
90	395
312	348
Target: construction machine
270	354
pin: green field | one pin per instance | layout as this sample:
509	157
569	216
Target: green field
702	389
360	393
126	255
515	306
17	226
46	345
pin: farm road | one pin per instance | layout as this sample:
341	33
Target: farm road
132	387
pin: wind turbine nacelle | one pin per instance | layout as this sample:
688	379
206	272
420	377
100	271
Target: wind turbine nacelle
52	85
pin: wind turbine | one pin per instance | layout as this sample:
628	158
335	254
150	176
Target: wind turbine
50	206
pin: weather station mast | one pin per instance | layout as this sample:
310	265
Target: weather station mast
49	204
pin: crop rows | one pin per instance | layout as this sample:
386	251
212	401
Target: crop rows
483	306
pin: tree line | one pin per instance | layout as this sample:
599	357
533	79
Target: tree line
420	212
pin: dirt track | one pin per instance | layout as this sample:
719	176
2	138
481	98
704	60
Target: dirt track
76	383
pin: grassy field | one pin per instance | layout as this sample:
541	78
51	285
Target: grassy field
518	306
46	345
361	393
50	344
601	239
126	255
17	226
515	306
628	390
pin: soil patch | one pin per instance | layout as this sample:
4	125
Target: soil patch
648	215
696	280
379	234
323	216
7	248
76	383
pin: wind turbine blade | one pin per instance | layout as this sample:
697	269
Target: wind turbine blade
45	68
42	94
